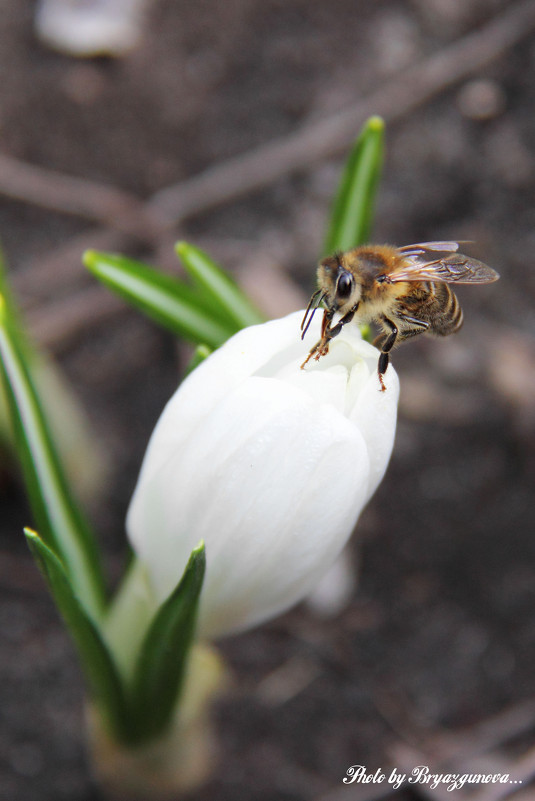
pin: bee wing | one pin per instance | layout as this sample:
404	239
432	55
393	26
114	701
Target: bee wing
439	261
425	247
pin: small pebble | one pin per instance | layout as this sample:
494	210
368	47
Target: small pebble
481	100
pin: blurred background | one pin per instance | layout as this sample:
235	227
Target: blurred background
227	125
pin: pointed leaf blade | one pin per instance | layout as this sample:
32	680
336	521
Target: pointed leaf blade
68	424
101	673
64	528
166	300
200	354
162	660
217	285
352	214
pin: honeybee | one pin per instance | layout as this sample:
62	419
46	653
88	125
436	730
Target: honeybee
405	290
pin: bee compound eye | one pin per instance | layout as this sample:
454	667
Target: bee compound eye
344	286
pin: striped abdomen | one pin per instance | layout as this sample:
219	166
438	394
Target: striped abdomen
436	304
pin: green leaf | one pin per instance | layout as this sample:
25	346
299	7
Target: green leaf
216	284
163	298
63	527
5	429
11	316
101	673
67	420
5	291
352	213
163	656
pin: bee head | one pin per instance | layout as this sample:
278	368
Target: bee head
339	283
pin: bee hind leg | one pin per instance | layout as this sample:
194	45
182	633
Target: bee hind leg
386	342
415	327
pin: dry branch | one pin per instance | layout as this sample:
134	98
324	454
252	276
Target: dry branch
262	166
151	222
394	99
454	752
62	320
78	197
521	770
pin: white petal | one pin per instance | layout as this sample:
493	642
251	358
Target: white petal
267	541
334	590
245	353
375	414
269	464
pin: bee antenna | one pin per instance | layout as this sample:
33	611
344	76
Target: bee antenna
314	302
310	302
305	329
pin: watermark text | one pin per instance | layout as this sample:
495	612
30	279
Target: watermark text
422	774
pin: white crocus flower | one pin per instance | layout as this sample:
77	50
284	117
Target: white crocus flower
269	464
86	28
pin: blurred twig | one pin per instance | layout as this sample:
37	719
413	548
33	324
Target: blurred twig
489	734
153	221
462	752
456	752
395	98
60	320
522	772
262	166
78	197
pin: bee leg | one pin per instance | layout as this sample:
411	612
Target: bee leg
321	348
387	344
322	345
330	333
418	327
313	351
384	360
326	322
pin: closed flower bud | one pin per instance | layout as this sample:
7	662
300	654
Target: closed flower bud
270	465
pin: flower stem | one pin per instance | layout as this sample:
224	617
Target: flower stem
128	618
177	762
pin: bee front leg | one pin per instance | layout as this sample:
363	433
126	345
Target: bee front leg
321	348
386	346
322	345
330	333
312	352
